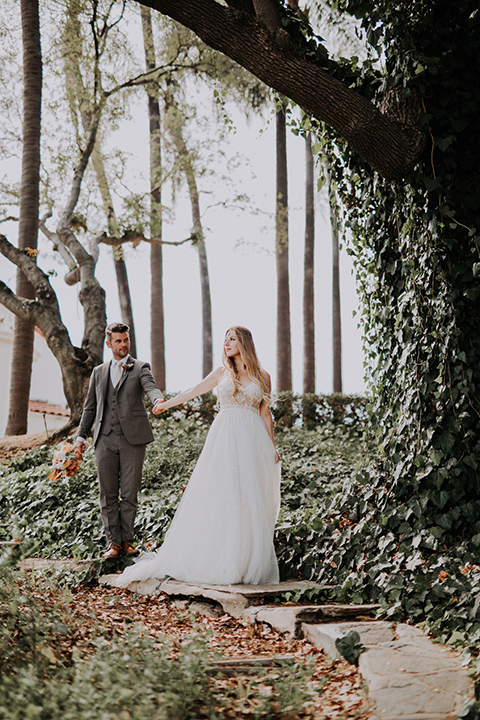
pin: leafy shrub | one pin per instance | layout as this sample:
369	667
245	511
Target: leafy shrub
26	634
312	410
61	518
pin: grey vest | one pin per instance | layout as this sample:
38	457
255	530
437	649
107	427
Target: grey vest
111	422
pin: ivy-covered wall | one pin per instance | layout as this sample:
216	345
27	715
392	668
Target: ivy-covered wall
410	525
417	253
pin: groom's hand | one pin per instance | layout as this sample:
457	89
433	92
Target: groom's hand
80	446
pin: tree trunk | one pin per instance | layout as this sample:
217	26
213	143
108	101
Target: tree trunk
157	309
22	356
121	274
284	344
390	146
308	275
175	125
76	363
207	363
124	295
336	314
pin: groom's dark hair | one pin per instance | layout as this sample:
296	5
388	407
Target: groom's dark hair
117	327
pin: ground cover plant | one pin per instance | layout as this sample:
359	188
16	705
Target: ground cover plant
60	517
331	528
93	652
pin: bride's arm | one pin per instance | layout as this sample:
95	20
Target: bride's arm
208	383
266	416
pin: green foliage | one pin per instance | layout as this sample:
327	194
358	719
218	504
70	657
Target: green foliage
48	514
350	647
303	595
61	518
313	410
130	675
26	635
406	530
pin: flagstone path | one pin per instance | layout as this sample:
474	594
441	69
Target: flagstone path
408	676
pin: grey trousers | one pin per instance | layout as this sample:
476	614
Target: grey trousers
119	467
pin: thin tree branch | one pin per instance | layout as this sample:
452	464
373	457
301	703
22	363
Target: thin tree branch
57	243
9	218
136	239
23	261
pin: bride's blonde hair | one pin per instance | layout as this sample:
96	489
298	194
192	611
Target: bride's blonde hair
248	356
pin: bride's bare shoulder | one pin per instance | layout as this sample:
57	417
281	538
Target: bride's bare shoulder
219	373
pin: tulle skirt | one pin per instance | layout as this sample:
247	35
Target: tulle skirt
222	531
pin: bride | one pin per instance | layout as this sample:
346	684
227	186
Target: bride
222	531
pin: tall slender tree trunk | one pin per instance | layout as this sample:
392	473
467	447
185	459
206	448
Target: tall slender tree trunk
175	126
284	343
336	310
124	294
157	326
22	356
207	364
207	335
308	275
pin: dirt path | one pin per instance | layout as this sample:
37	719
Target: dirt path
13	445
336	686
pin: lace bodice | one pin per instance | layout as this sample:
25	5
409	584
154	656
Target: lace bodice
248	395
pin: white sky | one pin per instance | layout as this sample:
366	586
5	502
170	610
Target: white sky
240	248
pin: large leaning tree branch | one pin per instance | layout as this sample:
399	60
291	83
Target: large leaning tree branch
391	148
23	261
76	363
84	259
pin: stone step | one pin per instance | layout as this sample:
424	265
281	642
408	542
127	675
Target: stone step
324	635
289	619
232	599
408	676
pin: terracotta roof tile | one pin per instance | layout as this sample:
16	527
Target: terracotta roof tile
47	408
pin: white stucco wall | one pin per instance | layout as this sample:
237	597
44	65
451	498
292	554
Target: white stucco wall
46	384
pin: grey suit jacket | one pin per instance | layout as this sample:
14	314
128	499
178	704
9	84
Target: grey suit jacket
135	382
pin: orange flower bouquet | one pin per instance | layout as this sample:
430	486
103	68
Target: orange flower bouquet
66	462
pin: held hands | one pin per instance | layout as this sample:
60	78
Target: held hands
157	408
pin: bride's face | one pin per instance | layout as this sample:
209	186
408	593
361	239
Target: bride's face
231	345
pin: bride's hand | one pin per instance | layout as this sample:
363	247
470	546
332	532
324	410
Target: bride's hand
158	407
277	456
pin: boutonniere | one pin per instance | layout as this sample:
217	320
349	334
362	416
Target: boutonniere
128	366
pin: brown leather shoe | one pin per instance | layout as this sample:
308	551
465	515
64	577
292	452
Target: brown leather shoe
128	548
112	552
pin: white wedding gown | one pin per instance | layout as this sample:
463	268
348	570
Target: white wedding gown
222	531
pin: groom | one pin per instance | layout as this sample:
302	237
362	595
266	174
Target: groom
115	403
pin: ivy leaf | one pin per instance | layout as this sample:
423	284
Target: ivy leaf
444	143
321	182
350	647
431	184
